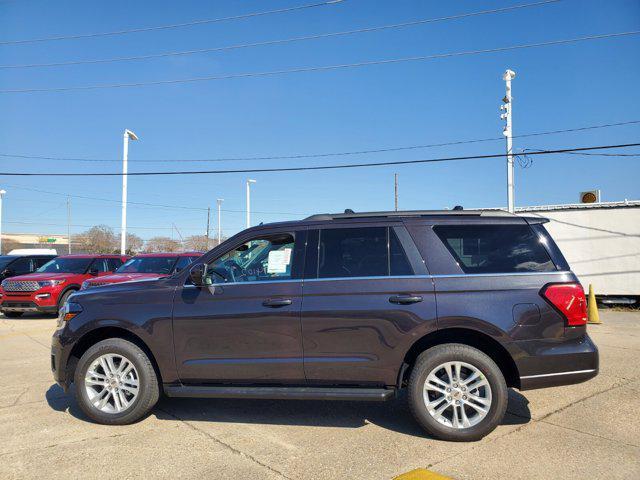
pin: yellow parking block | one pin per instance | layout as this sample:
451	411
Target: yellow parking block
421	474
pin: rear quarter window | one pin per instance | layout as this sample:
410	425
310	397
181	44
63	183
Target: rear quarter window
495	248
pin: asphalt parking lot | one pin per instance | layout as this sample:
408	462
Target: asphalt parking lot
587	430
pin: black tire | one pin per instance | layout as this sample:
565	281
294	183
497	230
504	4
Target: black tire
148	393
438	355
12	314
64	298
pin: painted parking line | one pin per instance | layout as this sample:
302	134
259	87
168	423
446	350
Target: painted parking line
17	333
421	474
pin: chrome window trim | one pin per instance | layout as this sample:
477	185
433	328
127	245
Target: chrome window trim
387	277
512	274
574	372
378	277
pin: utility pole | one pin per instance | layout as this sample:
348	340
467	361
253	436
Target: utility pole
208	218
69	222
2	192
506	107
128	134
395	186
249	182
219	202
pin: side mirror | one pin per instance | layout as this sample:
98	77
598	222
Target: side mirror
198	273
7	272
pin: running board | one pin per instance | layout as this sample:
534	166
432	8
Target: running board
280	393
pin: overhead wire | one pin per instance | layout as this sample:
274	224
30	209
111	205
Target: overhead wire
133	58
169	26
325	154
308	168
322	68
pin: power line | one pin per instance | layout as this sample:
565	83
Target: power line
156	205
315	167
281	41
327	154
169	26
323	68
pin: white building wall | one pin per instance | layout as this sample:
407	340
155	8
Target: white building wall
602	245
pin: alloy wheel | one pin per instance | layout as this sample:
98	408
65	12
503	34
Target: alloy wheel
112	383
457	395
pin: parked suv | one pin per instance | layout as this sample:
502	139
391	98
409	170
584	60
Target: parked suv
146	266
46	289
12	265
453	306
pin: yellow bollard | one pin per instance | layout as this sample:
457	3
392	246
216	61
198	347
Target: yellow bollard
594	316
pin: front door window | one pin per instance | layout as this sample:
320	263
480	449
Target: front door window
258	260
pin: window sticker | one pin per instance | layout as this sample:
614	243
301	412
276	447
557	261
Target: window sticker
279	261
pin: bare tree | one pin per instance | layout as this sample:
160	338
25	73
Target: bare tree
98	239
199	243
9	244
134	244
162	244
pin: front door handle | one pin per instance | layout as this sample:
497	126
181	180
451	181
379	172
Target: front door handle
405	299
276	302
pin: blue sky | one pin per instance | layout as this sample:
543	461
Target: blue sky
363	108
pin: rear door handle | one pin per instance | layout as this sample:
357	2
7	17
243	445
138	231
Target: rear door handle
405	299
276	302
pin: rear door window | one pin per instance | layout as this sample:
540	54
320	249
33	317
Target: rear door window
100	265
495	248
361	252
113	264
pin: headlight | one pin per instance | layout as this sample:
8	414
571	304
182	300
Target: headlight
67	312
50	283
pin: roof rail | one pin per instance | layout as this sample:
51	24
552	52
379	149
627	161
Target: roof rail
410	213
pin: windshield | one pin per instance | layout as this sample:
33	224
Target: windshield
66	265
161	265
5	260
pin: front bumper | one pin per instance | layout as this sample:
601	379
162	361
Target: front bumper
543	363
26	306
59	360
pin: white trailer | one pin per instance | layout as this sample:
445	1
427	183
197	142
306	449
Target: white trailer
601	242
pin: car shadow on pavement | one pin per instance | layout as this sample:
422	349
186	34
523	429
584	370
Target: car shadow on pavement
393	415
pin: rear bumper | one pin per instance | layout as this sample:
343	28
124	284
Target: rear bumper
550	364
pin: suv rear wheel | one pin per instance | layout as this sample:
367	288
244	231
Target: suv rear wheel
115	382
457	393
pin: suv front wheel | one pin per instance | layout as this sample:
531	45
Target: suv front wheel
115	382
457	393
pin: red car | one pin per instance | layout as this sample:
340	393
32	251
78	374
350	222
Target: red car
146	266
48	288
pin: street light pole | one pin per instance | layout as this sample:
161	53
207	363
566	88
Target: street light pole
69	223
395	188
249	182
219	202
2	192
508	133
128	134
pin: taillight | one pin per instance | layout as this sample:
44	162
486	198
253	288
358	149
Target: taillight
569	300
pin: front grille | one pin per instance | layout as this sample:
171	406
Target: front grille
20	286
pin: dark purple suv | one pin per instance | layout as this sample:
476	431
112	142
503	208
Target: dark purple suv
454	306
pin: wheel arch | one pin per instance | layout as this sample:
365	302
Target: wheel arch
473	338
103	333
74	287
